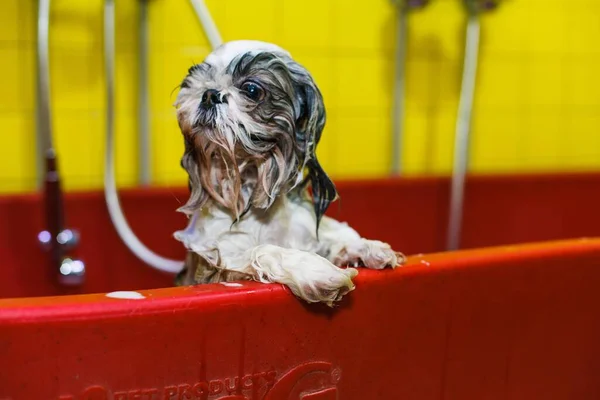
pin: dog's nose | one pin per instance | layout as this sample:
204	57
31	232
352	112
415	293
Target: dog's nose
211	97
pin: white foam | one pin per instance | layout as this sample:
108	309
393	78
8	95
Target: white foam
231	284
125	295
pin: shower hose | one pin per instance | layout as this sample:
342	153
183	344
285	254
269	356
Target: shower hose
110	188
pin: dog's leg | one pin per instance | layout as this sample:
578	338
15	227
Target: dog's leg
345	247
198	270
308	275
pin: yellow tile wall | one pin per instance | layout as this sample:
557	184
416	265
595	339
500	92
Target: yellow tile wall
537	104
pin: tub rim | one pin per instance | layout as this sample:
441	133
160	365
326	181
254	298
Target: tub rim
216	297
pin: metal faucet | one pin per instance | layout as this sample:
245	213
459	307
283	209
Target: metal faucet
55	239
476	6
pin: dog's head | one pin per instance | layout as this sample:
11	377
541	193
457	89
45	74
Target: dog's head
251	117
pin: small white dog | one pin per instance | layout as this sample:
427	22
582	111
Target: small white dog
251	117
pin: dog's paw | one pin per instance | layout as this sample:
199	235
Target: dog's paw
328	290
308	275
372	254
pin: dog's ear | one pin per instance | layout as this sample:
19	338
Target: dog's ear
189	162
310	112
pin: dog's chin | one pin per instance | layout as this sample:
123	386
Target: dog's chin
207	119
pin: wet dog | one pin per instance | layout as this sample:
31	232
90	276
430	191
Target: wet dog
251	118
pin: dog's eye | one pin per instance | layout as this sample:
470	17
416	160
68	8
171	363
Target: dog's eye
253	91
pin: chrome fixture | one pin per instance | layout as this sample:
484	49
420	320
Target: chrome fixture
56	239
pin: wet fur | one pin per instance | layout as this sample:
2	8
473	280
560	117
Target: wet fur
250	165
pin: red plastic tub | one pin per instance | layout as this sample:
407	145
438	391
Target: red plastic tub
507	322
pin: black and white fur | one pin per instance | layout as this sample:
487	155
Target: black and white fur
251	118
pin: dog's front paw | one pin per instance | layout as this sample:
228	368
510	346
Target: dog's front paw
329	289
309	276
372	254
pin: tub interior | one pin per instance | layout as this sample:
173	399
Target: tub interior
409	213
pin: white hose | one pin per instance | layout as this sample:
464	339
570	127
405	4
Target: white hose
208	25
110	188
43	114
463	131
398	111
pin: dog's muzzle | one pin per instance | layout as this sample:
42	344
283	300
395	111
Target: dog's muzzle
211	98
